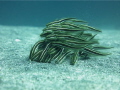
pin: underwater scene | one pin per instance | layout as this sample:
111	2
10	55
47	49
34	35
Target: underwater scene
60	45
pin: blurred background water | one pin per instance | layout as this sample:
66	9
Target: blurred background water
99	14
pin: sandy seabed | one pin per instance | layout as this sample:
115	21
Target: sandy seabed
19	73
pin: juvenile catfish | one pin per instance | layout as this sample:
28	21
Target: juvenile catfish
67	38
